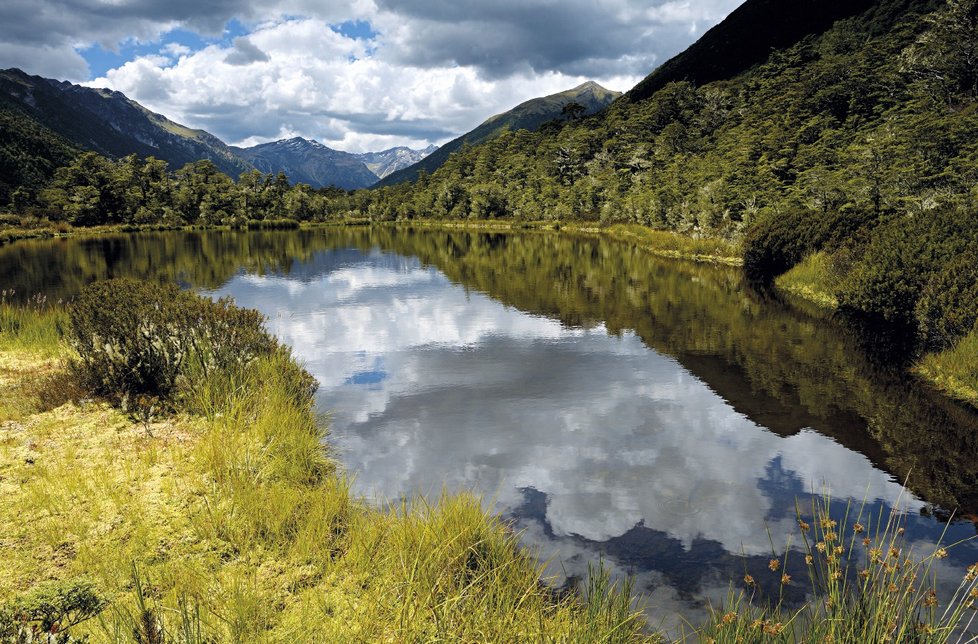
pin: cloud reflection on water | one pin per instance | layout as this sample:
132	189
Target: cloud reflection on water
433	386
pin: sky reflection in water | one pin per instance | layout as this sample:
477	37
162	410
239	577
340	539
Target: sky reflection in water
593	444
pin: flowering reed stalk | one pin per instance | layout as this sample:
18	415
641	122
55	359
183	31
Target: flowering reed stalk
866	585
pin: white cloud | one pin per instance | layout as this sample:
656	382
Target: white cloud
301	77
433	70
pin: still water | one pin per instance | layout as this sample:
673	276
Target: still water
659	416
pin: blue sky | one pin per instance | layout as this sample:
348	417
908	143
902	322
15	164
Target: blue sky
101	60
356	75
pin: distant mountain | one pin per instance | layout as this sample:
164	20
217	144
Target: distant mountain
104	121
394	159
525	116
311	162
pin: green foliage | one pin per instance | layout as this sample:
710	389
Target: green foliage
905	256
49	609
948	305
945	58
136	338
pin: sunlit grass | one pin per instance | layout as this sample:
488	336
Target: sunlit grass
812	279
234	524
667	243
33	326
954	371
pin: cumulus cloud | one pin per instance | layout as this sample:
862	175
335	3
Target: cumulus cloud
425	71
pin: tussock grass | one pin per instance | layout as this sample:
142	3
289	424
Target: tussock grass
813	279
232	523
954	371
34	326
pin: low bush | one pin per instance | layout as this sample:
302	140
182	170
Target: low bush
910	255
47	611
948	306
138	339
778	242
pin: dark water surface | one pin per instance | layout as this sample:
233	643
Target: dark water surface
660	415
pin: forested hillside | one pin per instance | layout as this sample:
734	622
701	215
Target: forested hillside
587	98
46	123
855	150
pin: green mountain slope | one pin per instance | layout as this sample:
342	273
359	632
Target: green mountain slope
29	152
99	120
525	116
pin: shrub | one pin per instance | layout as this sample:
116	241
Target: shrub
48	610
948	306
778	242
903	258
136	338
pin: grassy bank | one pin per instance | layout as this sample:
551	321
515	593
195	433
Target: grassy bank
233	524
227	520
662	243
954	372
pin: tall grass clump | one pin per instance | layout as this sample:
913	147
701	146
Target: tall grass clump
35	325
866	585
955	370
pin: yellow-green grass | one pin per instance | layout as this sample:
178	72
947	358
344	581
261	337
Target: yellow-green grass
813	280
33	327
955	370
235	525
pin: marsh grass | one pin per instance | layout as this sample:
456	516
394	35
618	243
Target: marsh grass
814	279
955	370
34	326
230	522
667	243
865	584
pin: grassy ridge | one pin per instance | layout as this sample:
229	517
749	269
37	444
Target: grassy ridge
233	524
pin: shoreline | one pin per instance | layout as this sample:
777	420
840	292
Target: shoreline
943	372
242	527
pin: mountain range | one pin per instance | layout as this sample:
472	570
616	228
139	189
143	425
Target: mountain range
48	122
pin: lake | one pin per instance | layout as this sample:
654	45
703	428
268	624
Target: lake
660	416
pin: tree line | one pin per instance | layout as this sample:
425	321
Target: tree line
859	145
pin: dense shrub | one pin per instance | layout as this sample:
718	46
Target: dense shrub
905	256
778	242
948	306
137	338
46	611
